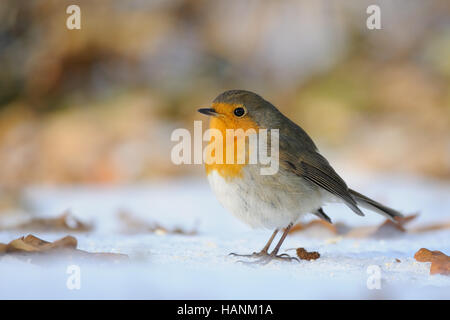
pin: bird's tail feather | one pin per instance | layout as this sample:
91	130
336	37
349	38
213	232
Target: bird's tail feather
370	204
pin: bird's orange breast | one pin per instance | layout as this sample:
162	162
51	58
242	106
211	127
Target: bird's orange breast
226	120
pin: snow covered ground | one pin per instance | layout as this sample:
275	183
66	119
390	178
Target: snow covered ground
169	266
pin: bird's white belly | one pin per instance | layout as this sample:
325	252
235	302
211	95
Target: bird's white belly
270	203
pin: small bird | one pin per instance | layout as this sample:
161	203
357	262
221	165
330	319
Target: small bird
304	182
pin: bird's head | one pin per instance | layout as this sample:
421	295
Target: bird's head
239	109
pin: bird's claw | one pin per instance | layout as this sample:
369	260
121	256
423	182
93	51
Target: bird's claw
265	258
253	255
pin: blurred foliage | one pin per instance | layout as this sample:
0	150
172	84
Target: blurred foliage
99	104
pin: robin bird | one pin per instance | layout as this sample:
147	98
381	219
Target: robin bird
304	182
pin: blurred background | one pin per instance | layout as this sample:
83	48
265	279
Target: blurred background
86	118
98	105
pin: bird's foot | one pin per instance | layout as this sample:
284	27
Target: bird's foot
260	254
265	258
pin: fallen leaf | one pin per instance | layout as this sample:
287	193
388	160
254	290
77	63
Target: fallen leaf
440	262
361	232
30	246
432	227
132	224
31	243
388	229
3	247
65	222
405	220
319	224
305	255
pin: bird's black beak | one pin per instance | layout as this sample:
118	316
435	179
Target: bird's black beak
208	111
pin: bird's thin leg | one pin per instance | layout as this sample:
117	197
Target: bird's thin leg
263	252
278	246
268	244
265	259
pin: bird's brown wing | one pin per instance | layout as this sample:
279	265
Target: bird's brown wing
313	167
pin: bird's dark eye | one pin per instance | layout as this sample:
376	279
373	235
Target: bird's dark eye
239	112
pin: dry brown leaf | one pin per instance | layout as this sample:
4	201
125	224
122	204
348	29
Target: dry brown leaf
405	220
432	227
390	229
387	229
440	262
361	232
306	255
320	224
3	247
132	224
65	247
64	222
31	243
